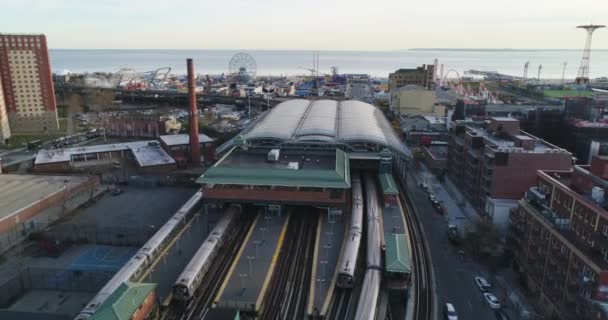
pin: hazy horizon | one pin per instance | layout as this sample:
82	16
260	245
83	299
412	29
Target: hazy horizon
385	25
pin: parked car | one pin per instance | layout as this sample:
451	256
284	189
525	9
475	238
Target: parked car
491	300
437	205
449	312
482	284
117	191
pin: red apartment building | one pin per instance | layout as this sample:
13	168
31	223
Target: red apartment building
27	87
493	163
559	232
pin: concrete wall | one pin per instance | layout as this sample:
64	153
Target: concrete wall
39	215
413	102
498	210
280	196
514	179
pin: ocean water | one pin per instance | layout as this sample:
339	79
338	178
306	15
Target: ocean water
376	63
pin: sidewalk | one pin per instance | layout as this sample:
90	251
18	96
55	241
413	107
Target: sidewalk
459	211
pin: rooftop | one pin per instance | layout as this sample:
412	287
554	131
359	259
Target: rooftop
292	169
19	191
146	153
438	151
388	184
123	303
398	258
351	123
182	139
504	141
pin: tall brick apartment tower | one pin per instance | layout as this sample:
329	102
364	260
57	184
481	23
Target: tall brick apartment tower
27	86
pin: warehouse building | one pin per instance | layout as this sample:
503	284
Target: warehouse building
29	203
148	156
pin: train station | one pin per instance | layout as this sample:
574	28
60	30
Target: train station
301	215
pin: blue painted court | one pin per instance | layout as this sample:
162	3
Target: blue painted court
103	258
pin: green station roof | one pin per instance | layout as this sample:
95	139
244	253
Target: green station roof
122	304
258	172
388	183
398	259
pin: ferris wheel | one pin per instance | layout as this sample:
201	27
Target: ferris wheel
242	67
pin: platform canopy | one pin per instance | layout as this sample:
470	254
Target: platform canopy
251	168
398	258
354	125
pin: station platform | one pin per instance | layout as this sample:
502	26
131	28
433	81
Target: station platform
249	275
167	268
393	220
331	232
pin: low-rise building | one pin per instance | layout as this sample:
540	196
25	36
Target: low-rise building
436	156
412	100
131	301
30	203
493	162
559	233
178	146
421	76
148	156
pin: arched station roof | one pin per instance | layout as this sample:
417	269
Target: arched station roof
324	121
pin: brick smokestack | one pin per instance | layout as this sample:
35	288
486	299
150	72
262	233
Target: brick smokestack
195	148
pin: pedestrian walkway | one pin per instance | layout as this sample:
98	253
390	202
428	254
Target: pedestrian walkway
459	211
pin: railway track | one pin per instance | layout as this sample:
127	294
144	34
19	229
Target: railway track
288	297
424	306
213	279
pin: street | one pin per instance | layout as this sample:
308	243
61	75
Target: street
454	274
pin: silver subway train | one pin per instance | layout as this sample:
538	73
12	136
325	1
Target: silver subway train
190	280
368	300
348	260
140	262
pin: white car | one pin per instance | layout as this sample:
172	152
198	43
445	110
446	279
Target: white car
491	300
482	284
450	312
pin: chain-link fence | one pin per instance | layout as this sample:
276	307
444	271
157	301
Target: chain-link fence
51	279
90	233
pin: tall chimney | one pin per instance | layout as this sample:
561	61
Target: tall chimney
195	148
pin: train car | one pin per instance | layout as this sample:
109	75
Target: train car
374	228
144	256
348	260
190	279
160	239
368	299
131	271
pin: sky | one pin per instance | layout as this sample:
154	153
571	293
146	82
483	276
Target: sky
307	24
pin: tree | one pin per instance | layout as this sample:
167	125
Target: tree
75	104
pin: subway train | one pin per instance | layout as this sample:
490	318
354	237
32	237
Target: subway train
348	260
374	224
190	279
368	300
140	262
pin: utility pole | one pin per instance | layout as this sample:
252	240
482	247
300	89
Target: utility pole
540	67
